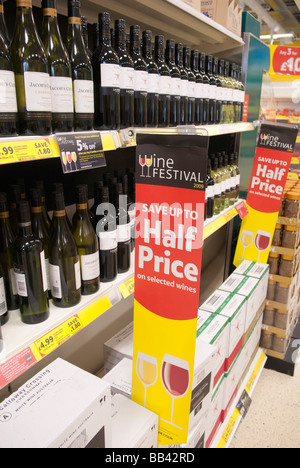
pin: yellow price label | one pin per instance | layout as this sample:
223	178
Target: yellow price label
127	288
14	151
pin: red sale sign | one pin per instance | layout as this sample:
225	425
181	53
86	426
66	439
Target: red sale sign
286	60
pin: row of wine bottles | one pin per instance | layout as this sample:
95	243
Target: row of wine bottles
223	183
49	87
57	258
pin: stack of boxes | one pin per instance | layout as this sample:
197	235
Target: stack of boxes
282	311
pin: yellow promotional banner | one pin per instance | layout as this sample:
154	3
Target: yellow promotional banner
170	205
275	149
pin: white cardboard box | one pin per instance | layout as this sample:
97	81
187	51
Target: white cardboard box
118	347
120	378
232	306
132	425
215	329
61	407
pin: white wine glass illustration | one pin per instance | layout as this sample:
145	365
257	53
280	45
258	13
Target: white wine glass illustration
262	242
175	374
64	159
142	159
246	241
147	371
149	162
74	159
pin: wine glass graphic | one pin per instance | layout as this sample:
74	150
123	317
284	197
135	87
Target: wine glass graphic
149	162
142	160
64	159
175	375
69	159
147	371
262	242
246	241
74	159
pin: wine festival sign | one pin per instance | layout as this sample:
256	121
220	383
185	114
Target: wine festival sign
272	162
170	205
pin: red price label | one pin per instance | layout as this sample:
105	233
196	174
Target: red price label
286	61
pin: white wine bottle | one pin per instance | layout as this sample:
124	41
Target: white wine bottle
64	259
30	270
87	244
82	72
59	70
31	73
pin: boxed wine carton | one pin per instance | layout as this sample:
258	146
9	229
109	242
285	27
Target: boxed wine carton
132	425
215	329
118	347
61	407
215	412
233	307
120	378
225	12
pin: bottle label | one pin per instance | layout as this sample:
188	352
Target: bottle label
84	96
37	92
210	191
90	266
218	190
77	275
3	305
175	87
192	89
110	75
21	283
126	78
124	233
44	271
8	91
213	92
153	83
206	91
184	88
108	240
13	282
164	85
199	90
233	183
61	94
55	281
141	81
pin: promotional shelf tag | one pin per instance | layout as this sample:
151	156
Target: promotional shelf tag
272	161
170	204
80	151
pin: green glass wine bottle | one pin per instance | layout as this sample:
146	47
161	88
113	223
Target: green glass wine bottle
64	259
30	270
87	244
59	70
31	74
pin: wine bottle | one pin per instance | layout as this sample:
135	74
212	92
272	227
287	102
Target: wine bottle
126	75
241	93
206	89
6	256
108	243
164	83
39	228
235	92
217	187
227	174
82	72
219	157
14	196
153	80
229	101
175	87
238	176
59	70
140	79
184	101
8	98
85	36
210	193
198	87
106	79
191	87
222	91
98	186
64	259
123	230
31	74
39	184
231	169
30	270
87	244
218	90
4	316
212	90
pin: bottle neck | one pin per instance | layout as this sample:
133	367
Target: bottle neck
120	39
147	48
25	229
50	24
135	47
170	55
104	34
74	25
82	210
24	16
179	57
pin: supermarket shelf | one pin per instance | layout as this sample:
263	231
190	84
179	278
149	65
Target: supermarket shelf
174	18
226	432
25	149
25	345
213	225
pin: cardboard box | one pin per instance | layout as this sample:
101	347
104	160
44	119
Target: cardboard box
196	4
224	12
118	347
215	329
234	307
120	378
61	407
215	412
132	425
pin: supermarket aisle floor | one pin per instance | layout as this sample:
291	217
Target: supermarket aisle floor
274	415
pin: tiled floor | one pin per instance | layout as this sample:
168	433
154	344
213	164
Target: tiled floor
273	420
